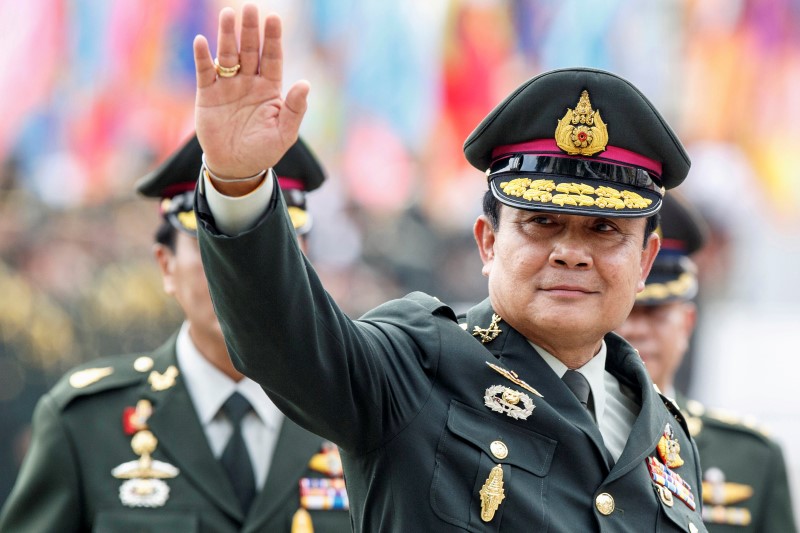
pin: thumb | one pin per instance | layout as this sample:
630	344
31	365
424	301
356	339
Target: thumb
294	109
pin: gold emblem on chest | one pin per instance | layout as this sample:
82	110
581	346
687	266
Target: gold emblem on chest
492	493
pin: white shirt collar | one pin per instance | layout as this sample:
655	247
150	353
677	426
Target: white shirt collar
209	387
594	371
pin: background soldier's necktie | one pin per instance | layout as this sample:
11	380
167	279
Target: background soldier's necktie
235	458
579	386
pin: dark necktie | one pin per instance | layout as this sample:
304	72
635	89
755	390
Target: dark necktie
579	386
235	458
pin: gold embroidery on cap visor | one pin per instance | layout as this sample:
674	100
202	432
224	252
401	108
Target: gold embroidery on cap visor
301	219
574	185
683	287
568	195
179	212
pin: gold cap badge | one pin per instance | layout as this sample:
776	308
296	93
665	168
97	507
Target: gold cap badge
581	131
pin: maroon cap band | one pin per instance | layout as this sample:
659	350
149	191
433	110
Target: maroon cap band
612	154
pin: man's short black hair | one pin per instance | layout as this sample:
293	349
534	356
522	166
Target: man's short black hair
165	234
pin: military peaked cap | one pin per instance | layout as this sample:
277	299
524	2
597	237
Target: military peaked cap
674	275
174	180
578	141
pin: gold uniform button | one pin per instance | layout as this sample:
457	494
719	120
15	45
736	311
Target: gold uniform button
604	503
499	449
143	364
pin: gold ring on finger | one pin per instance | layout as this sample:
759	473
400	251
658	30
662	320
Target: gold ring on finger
226	72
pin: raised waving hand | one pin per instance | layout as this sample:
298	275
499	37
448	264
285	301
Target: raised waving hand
243	122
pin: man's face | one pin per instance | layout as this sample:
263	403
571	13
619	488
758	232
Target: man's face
564	281
661	333
185	280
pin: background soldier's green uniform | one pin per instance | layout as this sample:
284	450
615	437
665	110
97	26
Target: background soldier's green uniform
134	413
66	483
433	437
745	487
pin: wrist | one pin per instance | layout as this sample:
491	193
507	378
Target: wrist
232	186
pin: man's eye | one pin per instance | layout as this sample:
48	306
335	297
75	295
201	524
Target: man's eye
604	227
542	220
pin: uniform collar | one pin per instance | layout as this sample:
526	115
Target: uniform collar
209	387
594	371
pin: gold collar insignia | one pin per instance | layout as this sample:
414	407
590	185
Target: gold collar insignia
159	381
488	334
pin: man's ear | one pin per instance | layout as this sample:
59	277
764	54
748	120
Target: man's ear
690	320
649	254
165	259
484	234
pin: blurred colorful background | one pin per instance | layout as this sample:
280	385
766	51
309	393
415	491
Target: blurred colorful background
94	93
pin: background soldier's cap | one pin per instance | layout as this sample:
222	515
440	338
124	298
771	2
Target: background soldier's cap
174	180
578	141
674	275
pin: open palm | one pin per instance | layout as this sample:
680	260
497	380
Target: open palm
243	123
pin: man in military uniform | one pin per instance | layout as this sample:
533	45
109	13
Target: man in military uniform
527	414
745	485
178	440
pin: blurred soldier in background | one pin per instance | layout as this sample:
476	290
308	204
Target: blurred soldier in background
178	440
745	485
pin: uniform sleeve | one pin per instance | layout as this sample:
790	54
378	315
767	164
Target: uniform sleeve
234	215
778	514
352	382
46	496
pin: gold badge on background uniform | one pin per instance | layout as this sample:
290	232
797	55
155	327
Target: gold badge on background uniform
301	522
328	461
488	334
135	418
143	363
160	382
144	485
84	378
492	493
719	495
325	493
507	400
669	448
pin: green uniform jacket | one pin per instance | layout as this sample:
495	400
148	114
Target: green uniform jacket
66	485
746	488
402	392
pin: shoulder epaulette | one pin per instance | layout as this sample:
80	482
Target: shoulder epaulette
733	421
433	304
729	420
101	375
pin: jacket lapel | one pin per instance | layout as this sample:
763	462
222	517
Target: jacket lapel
626	365
293	451
180	436
515	353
